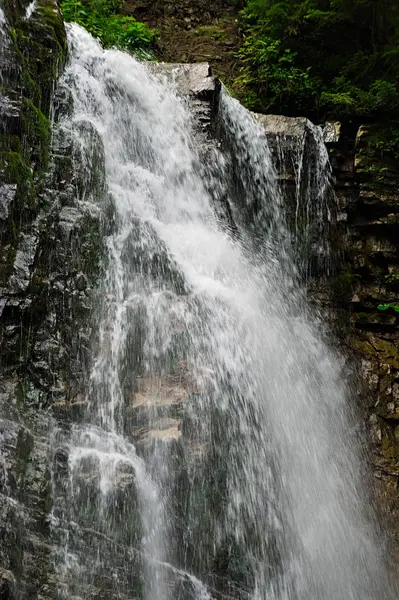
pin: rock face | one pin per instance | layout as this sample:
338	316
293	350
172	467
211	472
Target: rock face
50	253
366	290
197	83
361	294
52	225
190	32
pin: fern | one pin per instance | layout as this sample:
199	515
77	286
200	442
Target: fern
102	19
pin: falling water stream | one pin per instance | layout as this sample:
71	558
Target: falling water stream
217	455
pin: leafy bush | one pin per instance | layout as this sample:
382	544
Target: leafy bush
104	21
272	73
383	141
387	306
332	58
381	98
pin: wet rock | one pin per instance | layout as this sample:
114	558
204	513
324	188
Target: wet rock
69	219
7	196
45	284
81	281
7	585
369	235
332	132
10	111
193	79
23	263
279	125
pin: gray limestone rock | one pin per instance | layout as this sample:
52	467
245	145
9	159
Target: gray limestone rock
332	132
194	79
7	196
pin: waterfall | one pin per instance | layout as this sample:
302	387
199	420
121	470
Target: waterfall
217	456
30	9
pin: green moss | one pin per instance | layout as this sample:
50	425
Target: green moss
16	157
29	84
17	171
53	19
10	143
15	168
37	134
41	47
342	286
362	346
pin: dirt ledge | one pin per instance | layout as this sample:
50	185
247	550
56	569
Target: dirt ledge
201	31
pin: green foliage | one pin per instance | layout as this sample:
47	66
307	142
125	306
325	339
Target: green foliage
391	278
381	97
104	21
383	307
384	141
335	58
272	73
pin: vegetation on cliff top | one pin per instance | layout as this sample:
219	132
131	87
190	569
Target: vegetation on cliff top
335	58
104	20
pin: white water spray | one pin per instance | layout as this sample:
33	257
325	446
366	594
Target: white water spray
269	504
30	9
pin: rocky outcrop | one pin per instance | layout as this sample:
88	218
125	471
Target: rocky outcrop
366	290
190	32
360	297
52	229
31	49
50	252
197	83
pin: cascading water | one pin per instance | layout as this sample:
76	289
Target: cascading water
216	457
303	170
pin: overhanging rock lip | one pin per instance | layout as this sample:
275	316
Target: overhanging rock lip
195	79
332	132
276	125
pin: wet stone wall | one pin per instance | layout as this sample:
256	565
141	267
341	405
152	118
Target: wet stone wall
50	260
54	213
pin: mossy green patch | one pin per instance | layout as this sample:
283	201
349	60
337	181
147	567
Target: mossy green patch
342	286
15	168
41	47
37	135
53	19
10	143
103	19
17	171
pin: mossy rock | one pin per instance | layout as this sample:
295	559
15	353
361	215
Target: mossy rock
36	135
17	170
39	51
362	346
342	286
377	348
49	9
40	45
10	143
